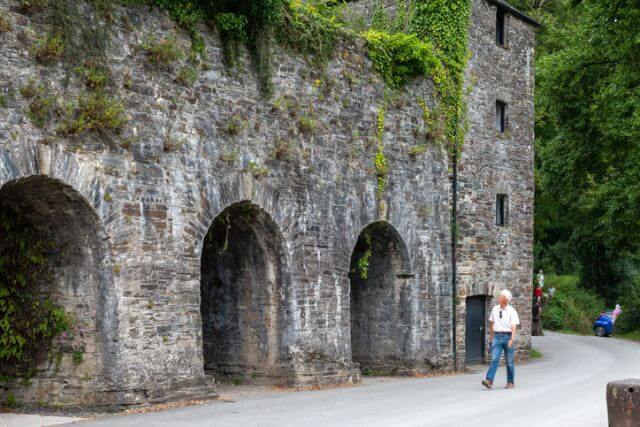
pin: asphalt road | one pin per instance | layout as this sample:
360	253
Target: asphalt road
564	388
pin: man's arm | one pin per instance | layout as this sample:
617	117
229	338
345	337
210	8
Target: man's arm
490	331
513	335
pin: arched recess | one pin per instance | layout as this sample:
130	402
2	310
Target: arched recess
244	288
380	300
81	359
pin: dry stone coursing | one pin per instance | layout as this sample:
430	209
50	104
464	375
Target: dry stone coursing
194	152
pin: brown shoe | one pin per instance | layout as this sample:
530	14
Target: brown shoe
510	385
487	383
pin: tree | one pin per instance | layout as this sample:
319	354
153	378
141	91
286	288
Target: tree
588	143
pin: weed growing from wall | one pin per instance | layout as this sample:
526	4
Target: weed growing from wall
95	112
48	48
425	38
162	54
95	76
81	28
5	23
362	267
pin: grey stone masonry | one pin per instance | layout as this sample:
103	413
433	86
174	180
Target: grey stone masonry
491	257
222	234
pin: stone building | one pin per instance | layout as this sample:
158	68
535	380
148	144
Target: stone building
224	233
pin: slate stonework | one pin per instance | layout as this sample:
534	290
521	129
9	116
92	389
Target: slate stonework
152	202
492	257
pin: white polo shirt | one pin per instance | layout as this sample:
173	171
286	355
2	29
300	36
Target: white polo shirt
504	322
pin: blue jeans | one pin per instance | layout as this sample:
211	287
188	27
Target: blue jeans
499	344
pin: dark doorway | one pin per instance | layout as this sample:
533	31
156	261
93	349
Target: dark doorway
242	296
475	330
380	301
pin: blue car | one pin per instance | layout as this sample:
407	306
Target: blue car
603	326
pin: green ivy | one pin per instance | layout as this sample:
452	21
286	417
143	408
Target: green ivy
29	320
445	23
380	161
233	32
187	14
435	46
307	31
399	57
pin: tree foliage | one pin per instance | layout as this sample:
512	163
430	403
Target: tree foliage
588	140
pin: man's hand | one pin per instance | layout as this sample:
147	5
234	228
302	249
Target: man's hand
490	339
510	343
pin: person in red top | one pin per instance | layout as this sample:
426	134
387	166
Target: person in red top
538	293
536	321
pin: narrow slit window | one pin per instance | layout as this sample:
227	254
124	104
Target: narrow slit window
501	116
501	203
500	17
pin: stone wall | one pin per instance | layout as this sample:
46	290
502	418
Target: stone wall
492	257
304	158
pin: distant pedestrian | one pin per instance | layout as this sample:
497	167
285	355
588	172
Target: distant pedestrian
536	320
502	333
537	293
616	312
541	278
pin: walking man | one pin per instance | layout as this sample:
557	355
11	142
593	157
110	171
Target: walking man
502	333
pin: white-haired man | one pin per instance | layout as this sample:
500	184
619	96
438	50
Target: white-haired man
502	333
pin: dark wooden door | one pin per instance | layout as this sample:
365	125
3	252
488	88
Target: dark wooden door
475	324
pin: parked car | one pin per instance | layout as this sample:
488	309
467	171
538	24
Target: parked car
603	326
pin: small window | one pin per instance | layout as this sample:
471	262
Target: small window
500	27
501	116
501	210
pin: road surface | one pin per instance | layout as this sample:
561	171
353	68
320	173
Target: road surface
566	387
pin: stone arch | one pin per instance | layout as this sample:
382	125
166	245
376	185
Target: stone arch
244	286
381	316
83	359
